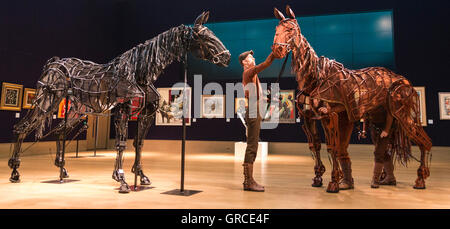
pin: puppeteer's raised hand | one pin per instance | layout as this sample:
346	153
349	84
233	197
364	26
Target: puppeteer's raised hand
323	110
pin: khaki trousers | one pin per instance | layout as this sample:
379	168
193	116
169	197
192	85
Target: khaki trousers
253	129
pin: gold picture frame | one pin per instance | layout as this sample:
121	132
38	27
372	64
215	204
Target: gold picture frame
444	105
29	94
11	99
422	105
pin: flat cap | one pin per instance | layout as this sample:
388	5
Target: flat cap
244	55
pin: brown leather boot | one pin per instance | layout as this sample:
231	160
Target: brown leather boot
377	170
390	178
347	181
249	183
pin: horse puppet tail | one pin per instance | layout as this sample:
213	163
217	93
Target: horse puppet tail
403	103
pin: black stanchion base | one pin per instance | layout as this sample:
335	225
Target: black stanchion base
185	192
139	188
59	181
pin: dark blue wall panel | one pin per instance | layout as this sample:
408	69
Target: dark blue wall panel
356	40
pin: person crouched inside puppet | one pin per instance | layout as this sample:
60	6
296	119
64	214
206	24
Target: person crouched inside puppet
380	123
324	108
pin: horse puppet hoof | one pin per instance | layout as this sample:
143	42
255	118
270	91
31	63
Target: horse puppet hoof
333	187
420	184
124	188
145	181
14	179
317	182
65	174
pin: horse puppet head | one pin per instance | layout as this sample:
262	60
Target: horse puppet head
287	33
205	45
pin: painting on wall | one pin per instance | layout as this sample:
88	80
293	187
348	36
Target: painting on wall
422	105
28	97
11	97
240	105
213	106
285	113
171	105
444	105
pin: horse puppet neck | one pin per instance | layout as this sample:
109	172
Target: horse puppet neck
144	63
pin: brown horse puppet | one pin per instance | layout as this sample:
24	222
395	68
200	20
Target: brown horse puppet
339	97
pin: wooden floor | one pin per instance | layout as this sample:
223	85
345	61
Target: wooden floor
287	179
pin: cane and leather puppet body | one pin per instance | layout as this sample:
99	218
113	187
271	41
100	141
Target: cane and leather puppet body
96	88
339	97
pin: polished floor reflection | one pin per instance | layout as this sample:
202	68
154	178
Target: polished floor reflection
287	179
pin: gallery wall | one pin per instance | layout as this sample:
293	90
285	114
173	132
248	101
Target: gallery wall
34	31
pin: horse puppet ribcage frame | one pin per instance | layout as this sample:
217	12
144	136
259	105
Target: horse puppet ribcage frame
339	97
96	88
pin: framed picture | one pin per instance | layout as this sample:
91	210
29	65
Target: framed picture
213	106
28	97
240	105
422	105
11	97
285	113
171	105
444	105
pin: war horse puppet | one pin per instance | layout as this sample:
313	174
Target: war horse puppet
339	97
96	88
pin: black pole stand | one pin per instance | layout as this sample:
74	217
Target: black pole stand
66	105
77	148
77	136
95	126
182	191
96	135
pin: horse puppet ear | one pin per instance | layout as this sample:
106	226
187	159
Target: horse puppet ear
289	12
199	19
278	14
205	17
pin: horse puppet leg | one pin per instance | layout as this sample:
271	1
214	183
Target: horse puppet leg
423	171
59	159
46	104
21	130
310	129
14	161
145	120
404	106
331	127
121	122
